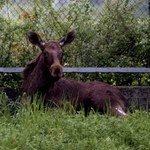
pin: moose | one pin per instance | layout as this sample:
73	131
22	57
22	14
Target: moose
44	75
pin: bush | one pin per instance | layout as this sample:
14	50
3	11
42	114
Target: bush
111	37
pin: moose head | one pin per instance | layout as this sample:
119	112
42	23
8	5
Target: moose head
52	51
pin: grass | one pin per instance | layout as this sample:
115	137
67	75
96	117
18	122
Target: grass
58	129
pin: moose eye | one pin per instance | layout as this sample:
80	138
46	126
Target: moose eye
48	57
45	54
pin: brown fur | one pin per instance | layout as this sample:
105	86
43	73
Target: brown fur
97	95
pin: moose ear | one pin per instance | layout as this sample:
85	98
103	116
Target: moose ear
67	39
35	39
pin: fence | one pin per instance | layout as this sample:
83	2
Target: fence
85	70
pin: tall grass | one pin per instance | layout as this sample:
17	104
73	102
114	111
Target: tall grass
59	129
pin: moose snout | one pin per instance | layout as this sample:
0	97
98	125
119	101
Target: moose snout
56	71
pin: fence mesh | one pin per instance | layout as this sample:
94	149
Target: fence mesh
110	33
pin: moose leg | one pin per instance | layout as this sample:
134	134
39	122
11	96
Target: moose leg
119	112
87	108
86	111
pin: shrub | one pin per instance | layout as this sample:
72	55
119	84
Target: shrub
110	36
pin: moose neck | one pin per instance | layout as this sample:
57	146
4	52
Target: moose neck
37	77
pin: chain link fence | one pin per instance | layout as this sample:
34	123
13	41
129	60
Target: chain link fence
110	33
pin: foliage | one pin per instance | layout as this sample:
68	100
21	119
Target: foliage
34	128
109	36
10	80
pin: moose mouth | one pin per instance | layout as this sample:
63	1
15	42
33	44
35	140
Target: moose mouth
56	71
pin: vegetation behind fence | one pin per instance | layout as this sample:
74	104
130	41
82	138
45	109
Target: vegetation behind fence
111	33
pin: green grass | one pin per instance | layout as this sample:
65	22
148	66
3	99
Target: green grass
58	129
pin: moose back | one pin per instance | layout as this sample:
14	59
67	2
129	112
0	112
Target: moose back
44	75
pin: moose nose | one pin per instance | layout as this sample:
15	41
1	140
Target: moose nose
56	70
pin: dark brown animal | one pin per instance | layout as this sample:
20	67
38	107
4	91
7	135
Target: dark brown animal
44	75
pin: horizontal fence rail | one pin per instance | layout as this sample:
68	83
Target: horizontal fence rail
85	70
